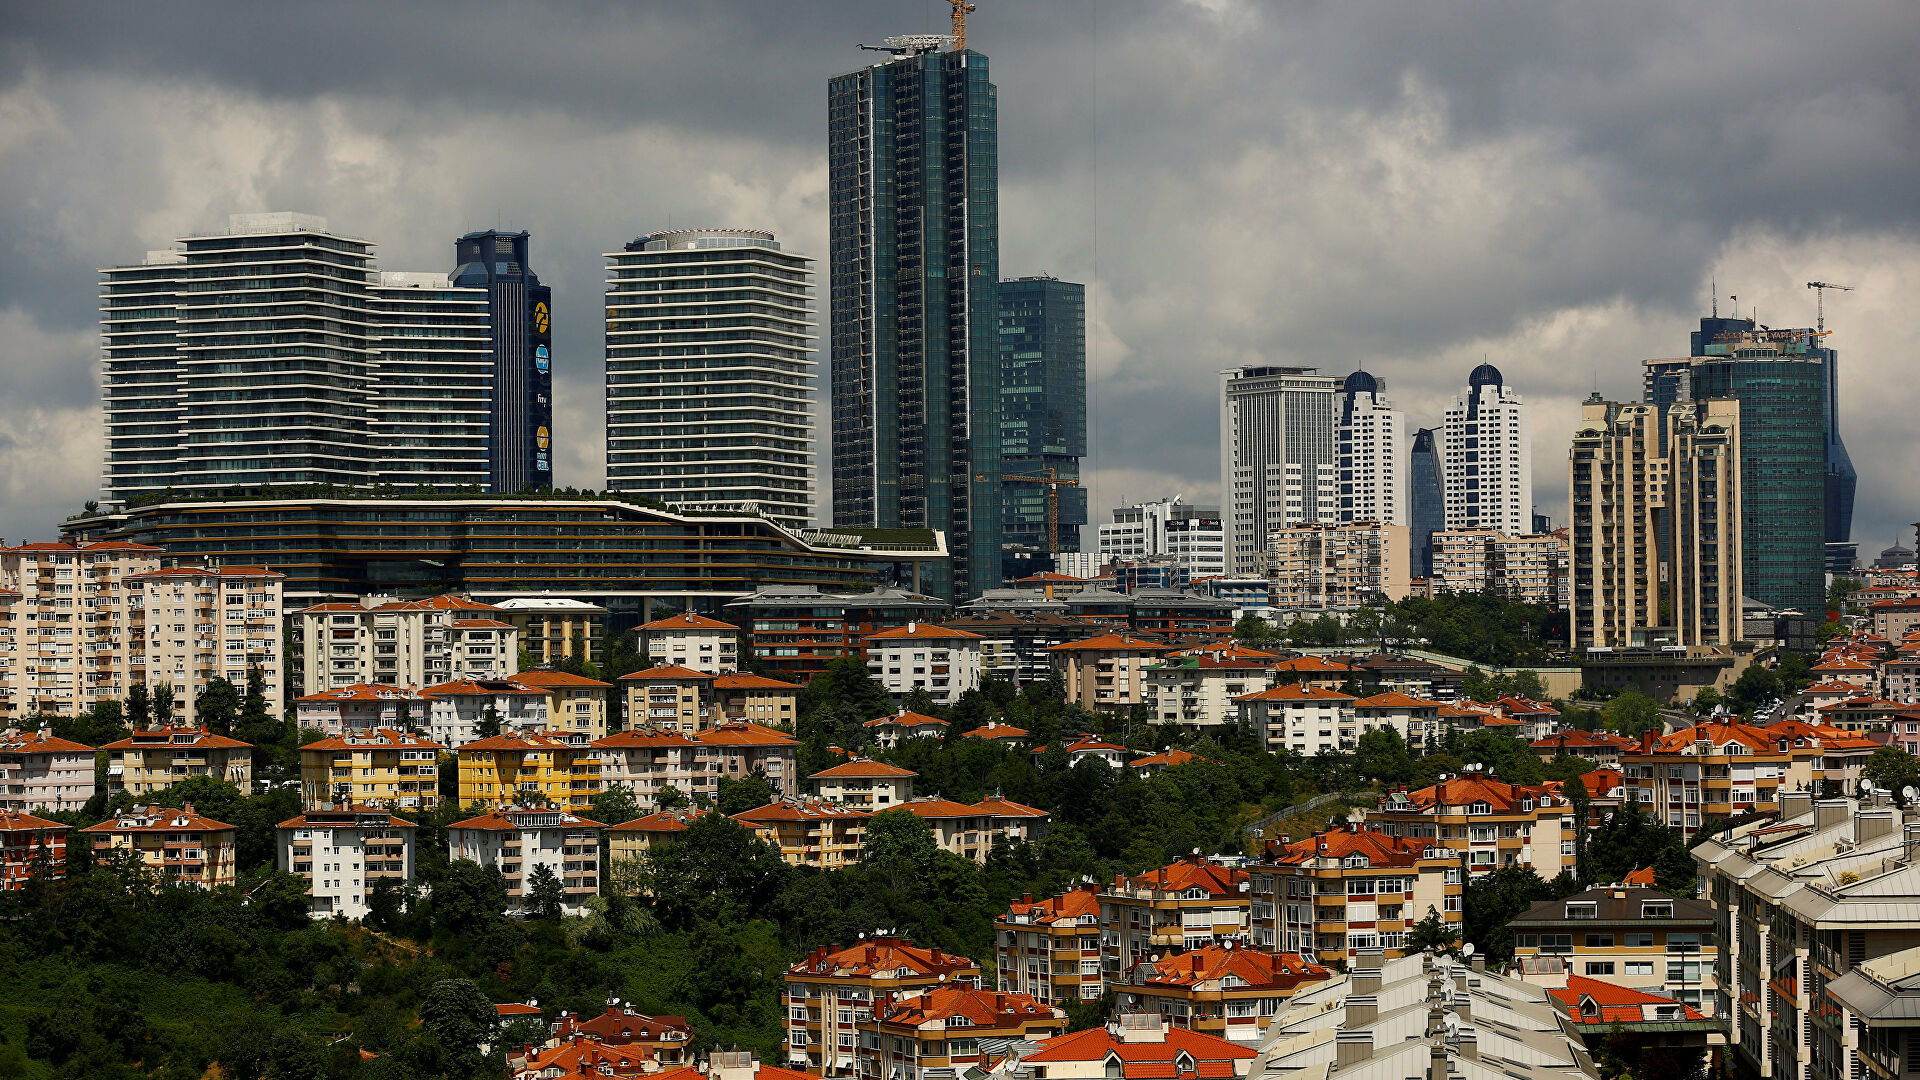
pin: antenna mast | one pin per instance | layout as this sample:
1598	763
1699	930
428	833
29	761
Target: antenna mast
960	10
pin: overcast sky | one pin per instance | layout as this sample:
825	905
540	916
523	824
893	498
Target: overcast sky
1403	187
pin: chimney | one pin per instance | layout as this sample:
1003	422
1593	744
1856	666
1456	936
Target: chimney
1463	1004
1350	1048
1437	1061
1366	981
1469	1043
1829	812
1871	823
1479	962
1362	1009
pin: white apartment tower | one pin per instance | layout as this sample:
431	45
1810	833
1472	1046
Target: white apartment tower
435	343
1278	465
1373	449
710	372
1487	457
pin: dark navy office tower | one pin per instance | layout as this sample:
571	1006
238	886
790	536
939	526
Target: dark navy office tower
1426	501
520	429
1043	409
914	264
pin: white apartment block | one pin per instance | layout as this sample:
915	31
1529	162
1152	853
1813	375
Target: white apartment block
40	772
341	851
710	372
410	643
1339	566
1373	447
455	709
1486	457
1305	719
692	641
519	840
1532	569
1192	536
921	656
206	623
1279	464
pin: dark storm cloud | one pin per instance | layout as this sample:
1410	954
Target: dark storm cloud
1404	187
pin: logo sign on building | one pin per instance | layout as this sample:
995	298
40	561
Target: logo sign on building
543	438
541	321
542	361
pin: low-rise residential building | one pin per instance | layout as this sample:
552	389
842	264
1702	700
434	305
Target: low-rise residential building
1303	718
691	641
1416	720
809	832
554	628
580	1056
670	697
633	839
1051	948
1014	644
1081	747
1715	770
1221	990
1190	903
23	837
1494	823
342	850
888	730
458	711
797	630
40	772
1626	935
1135	1046
1320	671
943	662
863	784
574	702
1106	673
831	991
362	707
947	1031
1201	690
396	642
513	769
1014	821
177	845
521	839
647	761
665	1038
1346	891
1602	1009
149	760
1155	764
1600	747
755	699
1531	569
996	732
742	750
965	830
378	767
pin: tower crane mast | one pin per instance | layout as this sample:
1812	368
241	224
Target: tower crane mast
1820	301
1054	483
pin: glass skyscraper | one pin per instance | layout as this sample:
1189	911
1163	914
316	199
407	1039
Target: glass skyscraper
1426	499
1043	407
520	420
914	264
1781	385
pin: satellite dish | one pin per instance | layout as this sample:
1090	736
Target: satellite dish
1467	949
1452	1020
1908	794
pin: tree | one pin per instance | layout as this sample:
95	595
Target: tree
714	869
750	792
1431	934
1755	687
468	894
488	725
140	707
218	706
667	798
899	847
1840	590
1527	684
403	715
1631	713
163	703
1382	755
546	897
1891	768
1707	700
1565	767
613	805
1252	630
458	1016
1492	900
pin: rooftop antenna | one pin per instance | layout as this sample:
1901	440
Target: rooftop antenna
1820	301
1715	286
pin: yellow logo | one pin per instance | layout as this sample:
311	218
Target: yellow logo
543	438
540	317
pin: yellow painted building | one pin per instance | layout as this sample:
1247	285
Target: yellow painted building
178	845
809	832
381	767
575	703
509	770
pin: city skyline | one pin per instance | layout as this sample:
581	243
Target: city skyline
1168	293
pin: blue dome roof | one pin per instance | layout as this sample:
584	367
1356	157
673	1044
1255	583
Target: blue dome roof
1361	383
1485	375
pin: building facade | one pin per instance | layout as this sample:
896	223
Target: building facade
797	631
149	760
1190	903
1372	444
921	656
1530	569
1626	935
1050	948
1487	456
1108	672
41	772
207	623
71	625
829	988
692	641
342	850
913	192
710	372
404	643
518	840
504	770
1426	499
1346	891
1338	566
1279	461
380	767
1043	409
176	845
520	416
1189	535
434	414
23	840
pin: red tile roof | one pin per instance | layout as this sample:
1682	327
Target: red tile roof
1110	643
991	1009
996	731
1316	664
921	630
903	718
16	821
1379	848
937	809
744	734
1591	1001
160	819
798	808
1146	1060
38	741
618	1027
499	821
1472	788
156	738
546	678
1297	692
1069	906
364	692
643	738
1394	699
688	622
1168	758
520	740
744	681
1281	971
488	687
324	816
666	821
880	954
1192	872
999	807
665	673
863	767
376	739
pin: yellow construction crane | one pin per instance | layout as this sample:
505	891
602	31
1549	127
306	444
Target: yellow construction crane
1054	483
960	10
1820	301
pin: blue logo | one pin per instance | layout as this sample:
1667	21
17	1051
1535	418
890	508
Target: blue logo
541	362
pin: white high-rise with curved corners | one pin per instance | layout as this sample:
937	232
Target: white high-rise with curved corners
1372	437
1487	457
710	372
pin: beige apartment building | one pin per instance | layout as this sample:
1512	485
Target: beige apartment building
1332	896
341	851
830	991
670	698
178	845
206	623
574	702
1108	672
1634	493
1531	569
864	784
149	760
808	831
1627	935
1339	566
519	839
1492	822
404	643
1051	948
1202	690
691	641
1188	904
40	772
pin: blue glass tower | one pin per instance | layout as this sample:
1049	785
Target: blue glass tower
914	264
520	419
1043	407
1426	501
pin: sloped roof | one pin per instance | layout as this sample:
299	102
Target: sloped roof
1192	872
921	630
364	692
1297	692
744	734
156	738
642	738
502	820
1168	758
863	767
1394	699
996	731
325	817
488	687
376	739
1069	905
667	673
160	819
980	1008
744	681
798	808
1377	847
688	622
880	954
1312	664
39	741
938	809
1110	643
1095	1044
999	807
903	718
1616	1004
1214	962
666	821
1476	787
547	678
521	740
16	821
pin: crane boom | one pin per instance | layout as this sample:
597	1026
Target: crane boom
1054	483
1820	301
960	11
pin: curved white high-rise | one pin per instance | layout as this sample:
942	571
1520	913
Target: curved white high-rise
1372	438
1487	457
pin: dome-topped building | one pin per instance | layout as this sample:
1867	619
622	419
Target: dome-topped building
1487	457
1361	382
1372	440
1485	375
1894	558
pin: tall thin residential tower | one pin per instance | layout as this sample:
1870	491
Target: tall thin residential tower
1278	460
1487	454
1372	438
913	197
710	372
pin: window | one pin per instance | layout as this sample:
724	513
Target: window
1650	909
1599	967
1588	909
1599	941
1639	941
